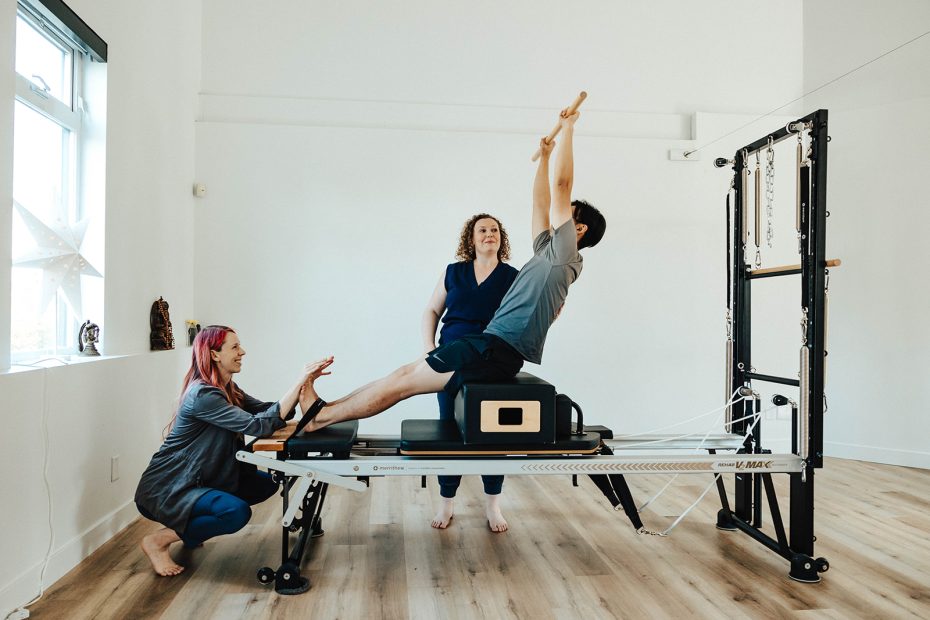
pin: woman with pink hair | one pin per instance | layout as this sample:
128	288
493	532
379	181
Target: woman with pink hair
193	485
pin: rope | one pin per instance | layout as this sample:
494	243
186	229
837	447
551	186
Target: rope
687	435
810	92
697	449
697	417
757	416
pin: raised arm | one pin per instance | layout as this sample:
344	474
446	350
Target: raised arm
564	174
432	313
541	196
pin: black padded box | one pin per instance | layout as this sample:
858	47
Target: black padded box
336	439
518	411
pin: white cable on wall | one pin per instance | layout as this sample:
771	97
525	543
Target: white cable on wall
21	612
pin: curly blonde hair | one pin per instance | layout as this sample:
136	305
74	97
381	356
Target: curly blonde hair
466	249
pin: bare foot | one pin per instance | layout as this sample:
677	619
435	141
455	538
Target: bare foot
443	515
312	426
496	520
307	396
156	546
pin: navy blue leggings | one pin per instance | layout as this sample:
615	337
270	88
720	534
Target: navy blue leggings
448	485
218	512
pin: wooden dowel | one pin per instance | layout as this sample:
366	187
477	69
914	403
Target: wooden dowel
558	126
833	262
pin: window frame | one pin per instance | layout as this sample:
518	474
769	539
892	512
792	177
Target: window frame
70	117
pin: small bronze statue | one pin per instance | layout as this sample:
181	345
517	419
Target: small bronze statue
87	338
161	338
193	328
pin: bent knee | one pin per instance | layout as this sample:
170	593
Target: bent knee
235	516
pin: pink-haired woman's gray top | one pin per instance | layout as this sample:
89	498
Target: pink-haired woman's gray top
199	453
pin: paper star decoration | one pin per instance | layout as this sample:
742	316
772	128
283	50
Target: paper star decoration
59	256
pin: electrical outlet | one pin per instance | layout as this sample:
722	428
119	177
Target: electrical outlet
114	468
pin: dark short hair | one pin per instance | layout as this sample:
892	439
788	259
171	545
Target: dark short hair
585	213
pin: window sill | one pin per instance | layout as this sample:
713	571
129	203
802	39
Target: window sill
56	361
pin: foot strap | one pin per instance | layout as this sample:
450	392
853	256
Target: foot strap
309	414
315	408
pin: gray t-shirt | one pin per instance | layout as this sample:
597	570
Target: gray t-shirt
537	294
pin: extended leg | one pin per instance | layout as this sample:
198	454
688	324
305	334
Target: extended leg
408	380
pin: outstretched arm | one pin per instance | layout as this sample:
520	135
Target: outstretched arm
541	196
561	210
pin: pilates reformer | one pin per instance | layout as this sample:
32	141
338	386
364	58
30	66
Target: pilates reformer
523	427
519	427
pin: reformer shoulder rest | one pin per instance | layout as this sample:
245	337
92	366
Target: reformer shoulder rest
336	439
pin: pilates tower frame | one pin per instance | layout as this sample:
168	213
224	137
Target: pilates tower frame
807	420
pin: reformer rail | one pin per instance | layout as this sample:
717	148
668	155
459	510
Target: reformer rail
342	472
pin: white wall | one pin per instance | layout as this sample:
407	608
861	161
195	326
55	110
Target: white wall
344	143
879	361
113	406
343	155
657	57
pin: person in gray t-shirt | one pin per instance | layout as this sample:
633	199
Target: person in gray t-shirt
518	330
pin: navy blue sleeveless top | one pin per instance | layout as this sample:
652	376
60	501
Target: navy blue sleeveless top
469	307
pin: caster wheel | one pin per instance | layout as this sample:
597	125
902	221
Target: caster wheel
822	565
265	575
289	581
805	569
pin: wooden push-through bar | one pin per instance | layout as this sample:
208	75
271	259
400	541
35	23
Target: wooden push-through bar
787	269
558	126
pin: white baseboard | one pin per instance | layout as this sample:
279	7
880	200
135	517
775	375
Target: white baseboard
878	454
26	587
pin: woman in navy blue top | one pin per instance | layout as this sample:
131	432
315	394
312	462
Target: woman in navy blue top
466	297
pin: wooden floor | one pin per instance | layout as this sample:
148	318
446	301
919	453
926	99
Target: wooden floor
568	555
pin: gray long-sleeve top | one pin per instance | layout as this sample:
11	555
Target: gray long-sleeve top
199	453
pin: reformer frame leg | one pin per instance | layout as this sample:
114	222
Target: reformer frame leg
804	567
724	515
287	579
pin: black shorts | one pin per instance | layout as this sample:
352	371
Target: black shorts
476	357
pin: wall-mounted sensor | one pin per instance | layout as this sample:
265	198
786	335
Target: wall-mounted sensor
200	190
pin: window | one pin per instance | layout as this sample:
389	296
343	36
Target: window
56	277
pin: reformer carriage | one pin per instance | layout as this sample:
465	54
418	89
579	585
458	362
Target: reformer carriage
524	427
